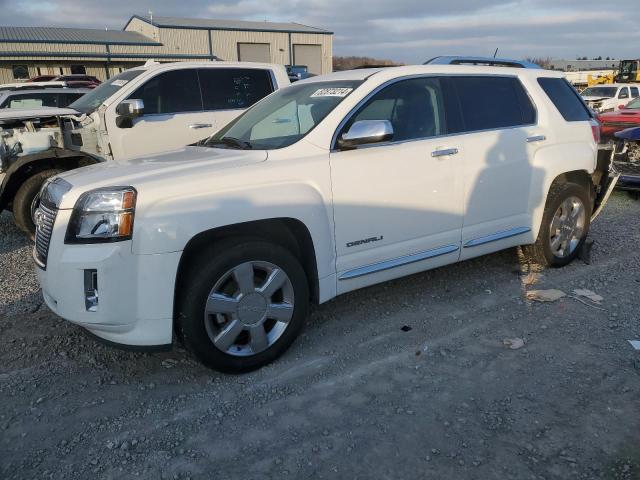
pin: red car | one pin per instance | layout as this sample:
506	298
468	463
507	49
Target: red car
626	117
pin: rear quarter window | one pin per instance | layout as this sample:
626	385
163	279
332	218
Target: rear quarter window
566	100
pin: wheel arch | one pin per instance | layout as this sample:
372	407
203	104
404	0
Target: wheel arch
288	232
29	165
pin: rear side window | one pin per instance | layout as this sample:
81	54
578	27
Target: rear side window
493	102
171	92
565	98
233	88
634	92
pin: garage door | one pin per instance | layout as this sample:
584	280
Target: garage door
309	55
254	52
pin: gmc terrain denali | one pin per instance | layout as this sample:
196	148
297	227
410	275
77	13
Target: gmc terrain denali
330	185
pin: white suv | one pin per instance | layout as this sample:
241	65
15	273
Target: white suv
327	186
610	97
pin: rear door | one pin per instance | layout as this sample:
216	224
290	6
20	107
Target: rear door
227	92
500	135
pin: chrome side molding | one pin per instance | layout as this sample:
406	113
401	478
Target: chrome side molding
494	237
397	262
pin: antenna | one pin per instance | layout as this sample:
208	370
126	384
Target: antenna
151	17
495	53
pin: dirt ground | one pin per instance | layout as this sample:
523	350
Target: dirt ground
358	396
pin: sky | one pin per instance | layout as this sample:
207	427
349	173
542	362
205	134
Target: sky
409	31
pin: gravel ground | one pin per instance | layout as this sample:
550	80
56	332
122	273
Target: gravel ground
358	396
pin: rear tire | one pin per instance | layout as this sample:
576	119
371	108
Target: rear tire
564	227
243	303
25	198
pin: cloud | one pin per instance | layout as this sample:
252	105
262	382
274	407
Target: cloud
402	30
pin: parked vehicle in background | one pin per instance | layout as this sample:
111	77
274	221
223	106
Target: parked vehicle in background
608	98
330	185
41	78
77	77
628	71
626	117
33	98
627	159
298	72
144	110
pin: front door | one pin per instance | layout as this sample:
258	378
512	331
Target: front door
398	204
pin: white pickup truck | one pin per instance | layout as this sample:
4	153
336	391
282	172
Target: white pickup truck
330	185
145	110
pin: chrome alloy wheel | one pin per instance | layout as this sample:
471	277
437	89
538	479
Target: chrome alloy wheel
567	227
249	308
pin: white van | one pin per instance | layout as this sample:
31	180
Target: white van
141	111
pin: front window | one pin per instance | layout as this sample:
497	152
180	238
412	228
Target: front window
92	100
607	92
284	117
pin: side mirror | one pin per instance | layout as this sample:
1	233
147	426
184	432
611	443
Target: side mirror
127	110
130	108
366	132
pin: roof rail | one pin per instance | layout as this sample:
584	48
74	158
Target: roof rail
33	85
484	61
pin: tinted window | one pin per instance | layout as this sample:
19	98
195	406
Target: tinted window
624	93
233	88
171	92
493	102
634	92
565	98
65	99
414	107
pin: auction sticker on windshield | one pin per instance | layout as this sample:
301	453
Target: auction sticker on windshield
332	92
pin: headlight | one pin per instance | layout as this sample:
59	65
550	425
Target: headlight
103	215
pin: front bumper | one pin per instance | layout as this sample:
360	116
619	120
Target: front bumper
135	292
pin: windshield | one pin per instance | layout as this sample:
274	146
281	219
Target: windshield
92	100
284	117
608	92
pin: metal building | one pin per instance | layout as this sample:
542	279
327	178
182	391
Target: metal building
26	52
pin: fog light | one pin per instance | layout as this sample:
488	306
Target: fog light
91	290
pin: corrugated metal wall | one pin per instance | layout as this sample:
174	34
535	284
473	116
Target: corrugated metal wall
176	41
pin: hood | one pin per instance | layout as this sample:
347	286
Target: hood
178	166
25	113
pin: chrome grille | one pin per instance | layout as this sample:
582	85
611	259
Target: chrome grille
45	217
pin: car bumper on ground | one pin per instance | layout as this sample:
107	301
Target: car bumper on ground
135	292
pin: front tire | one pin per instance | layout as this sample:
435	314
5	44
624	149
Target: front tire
243	304
565	226
25	199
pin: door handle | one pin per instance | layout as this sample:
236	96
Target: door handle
536	138
195	126
443	152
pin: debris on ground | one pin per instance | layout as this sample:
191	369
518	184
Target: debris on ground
423	349
550	295
531	278
513	343
405	328
593	296
635	344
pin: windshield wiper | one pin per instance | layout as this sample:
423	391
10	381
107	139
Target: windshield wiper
231	142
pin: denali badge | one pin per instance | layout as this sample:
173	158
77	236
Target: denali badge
363	241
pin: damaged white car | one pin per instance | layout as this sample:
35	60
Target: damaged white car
145	110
